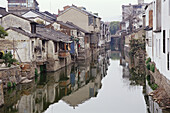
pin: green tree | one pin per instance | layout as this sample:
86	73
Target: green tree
3	33
40	22
114	27
8	60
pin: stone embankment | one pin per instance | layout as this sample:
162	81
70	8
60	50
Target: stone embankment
162	94
10	76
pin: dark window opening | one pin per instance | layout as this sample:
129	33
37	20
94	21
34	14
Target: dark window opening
168	61
43	45
33	28
1	55
164	41
55	47
61	46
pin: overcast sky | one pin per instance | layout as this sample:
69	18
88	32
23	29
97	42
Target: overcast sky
109	10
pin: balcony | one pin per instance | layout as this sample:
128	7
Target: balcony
63	54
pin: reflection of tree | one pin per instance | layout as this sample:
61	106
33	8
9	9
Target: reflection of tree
52	87
136	79
115	55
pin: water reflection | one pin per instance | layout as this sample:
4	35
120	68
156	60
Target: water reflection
74	85
100	84
133	79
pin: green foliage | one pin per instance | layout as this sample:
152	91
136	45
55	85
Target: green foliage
8	60
36	72
136	79
135	45
148	60
9	84
40	22
152	67
114	27
154	86
3	33
148	77
14	84
36	75
148	66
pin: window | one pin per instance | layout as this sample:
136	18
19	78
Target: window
168	61
43	45
154	8
94	22
33	49
168	55
164	40
55	44
90	20
159	47
33	28
156	48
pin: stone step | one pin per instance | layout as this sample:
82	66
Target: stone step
23	78
26	81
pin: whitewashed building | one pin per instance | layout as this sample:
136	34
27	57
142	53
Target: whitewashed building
157	40
148	18
157	51
45	17
165	38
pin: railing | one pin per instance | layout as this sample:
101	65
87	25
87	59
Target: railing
63	54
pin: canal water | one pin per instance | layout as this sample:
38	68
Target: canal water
98	85
115	95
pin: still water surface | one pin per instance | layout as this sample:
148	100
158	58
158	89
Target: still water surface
98	85
115	96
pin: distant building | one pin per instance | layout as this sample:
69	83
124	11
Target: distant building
45	17
133	13
19	7
84	19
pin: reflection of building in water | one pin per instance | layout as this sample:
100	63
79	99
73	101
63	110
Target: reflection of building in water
115	55
74	84
126	73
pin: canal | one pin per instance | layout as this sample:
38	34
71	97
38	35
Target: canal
98	85
115	95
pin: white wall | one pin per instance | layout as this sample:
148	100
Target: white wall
22	43
166	27
15	21
76	17
30	14
149	44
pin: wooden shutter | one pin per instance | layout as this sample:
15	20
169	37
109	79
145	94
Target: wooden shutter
151	18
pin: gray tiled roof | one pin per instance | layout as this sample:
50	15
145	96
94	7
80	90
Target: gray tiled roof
20	30
52	34
3	11
65	24
42	14
77	27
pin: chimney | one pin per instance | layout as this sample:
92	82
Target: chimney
66	7
59	11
